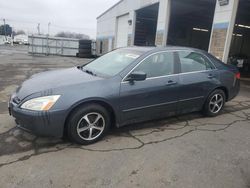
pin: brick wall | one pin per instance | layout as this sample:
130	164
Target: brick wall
105	45
97	45
113	43
130	40
218	42
159	38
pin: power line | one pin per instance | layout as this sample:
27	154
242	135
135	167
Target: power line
43	23
65	27
13	20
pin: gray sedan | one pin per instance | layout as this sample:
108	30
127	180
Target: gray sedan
123	87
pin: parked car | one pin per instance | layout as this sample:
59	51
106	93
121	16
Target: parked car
21	39
125	86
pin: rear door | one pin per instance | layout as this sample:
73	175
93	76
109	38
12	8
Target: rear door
157	96
197	78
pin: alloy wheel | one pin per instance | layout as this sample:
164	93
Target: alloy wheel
90	126
216	103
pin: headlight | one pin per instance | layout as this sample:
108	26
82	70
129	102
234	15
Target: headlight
40	103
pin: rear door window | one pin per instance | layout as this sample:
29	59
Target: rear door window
193	61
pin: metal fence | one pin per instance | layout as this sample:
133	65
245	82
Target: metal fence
48	45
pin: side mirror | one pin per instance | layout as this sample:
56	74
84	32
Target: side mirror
137	76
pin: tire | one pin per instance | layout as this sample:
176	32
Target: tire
85	46
85	41
213	105
78	128
85	51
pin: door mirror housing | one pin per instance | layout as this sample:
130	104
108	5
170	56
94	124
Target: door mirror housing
136	76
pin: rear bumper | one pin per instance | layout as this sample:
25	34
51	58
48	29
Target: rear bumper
49	123
234	91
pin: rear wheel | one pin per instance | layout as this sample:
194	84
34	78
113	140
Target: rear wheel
214	103
88	124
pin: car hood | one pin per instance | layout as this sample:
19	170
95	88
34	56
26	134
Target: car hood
53	79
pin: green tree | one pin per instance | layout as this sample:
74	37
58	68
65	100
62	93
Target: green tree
6	29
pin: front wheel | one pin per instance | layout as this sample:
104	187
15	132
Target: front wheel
214	103
88	124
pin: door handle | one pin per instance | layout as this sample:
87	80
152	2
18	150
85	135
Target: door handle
210	76
171	82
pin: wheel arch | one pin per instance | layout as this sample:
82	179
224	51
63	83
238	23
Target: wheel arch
223	88
100	102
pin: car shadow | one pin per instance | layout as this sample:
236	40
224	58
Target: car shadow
239	106
16	140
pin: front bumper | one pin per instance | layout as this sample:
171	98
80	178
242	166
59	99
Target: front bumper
47	123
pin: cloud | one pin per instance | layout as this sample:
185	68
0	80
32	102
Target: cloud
64	15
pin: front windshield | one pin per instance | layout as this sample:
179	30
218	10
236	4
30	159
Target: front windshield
112	63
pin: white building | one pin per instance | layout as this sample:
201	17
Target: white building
5	39
21	39
220	26
2	39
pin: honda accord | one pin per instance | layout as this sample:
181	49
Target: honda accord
125	86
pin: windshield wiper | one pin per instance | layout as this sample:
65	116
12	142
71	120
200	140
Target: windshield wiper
88	71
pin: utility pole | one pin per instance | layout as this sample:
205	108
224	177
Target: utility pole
48	39
12	37
38	28
4	29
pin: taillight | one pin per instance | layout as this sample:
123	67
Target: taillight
237	75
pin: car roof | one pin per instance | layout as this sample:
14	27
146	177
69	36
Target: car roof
155	49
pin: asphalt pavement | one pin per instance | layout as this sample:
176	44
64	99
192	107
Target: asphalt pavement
190	151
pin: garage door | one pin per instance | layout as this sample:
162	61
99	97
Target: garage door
122	31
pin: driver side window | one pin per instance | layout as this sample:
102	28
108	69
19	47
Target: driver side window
160	64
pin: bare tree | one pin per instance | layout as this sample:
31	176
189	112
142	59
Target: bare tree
18	32
72	35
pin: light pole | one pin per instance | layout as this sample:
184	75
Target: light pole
38	28
48	39
4	29
48	27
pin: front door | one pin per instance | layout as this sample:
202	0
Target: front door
157	96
